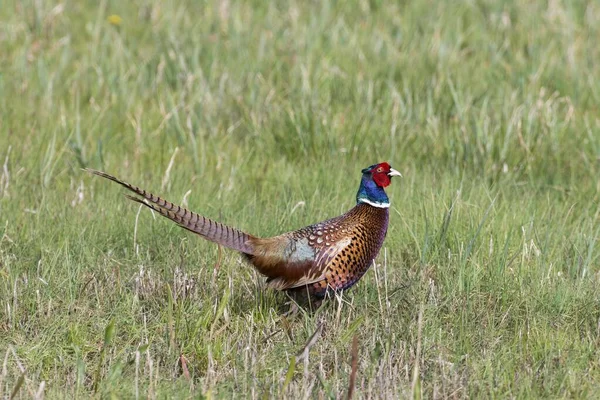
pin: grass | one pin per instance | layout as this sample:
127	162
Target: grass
261	116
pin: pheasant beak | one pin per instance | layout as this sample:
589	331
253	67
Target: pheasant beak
393	172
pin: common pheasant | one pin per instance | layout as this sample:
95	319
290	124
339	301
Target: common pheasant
325	257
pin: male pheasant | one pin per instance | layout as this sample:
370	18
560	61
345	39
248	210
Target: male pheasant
328	256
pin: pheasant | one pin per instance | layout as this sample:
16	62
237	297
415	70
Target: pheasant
329	256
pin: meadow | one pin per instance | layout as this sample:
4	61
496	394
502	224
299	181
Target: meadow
261	115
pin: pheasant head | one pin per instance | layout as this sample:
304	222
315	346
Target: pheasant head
374	180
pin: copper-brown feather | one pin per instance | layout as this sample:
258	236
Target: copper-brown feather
332	254
344	248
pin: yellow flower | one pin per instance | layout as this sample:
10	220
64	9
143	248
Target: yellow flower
115	19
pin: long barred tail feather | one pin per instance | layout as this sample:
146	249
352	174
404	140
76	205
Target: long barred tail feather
207	228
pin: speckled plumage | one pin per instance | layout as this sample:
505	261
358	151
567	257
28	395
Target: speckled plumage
328	256
344	248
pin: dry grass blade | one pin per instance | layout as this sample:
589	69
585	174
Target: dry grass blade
303	354
217	265
416	381
40	392
17	386
184	368
4	371
352	380
167	176
287	327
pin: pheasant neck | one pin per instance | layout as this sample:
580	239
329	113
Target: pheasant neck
370	193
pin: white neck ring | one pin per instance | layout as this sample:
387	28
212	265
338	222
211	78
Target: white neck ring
374	203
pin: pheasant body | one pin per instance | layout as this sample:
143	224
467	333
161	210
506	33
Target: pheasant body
362	231
328	256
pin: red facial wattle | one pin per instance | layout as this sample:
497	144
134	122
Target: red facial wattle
381	179
380	174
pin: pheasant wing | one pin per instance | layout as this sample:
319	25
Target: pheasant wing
302	257
324	257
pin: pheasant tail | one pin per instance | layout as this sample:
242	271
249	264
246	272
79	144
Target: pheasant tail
207	228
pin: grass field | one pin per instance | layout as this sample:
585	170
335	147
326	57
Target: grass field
262	116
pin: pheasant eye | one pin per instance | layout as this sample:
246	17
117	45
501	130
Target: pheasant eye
380	169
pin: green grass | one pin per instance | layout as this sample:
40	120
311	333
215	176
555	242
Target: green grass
488	283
